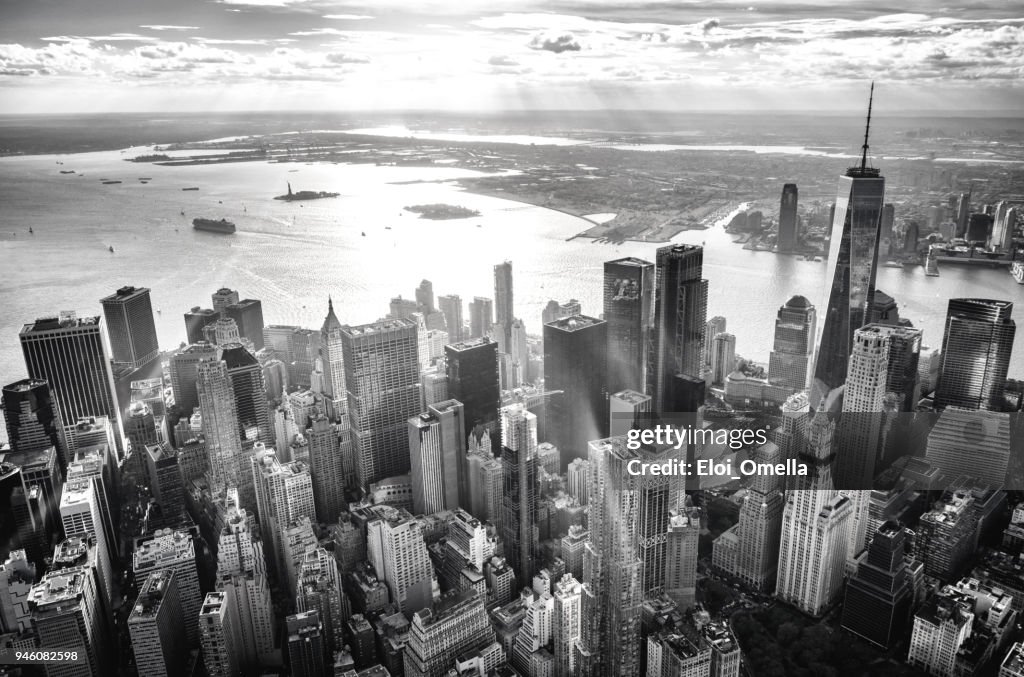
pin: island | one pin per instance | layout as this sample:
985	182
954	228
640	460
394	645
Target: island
442	211
156	157
304	195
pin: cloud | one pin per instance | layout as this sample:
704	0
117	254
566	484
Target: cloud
18	72
709	24
342	58
167	27
319	31
502	60
565	42
348	17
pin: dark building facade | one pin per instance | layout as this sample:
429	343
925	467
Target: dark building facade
32	419
197	319
976	349
879	596
629	312
472	370
788	235
680	309
129	316
248	315
250	392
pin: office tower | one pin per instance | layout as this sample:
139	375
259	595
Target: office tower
327	469
504	313
879	595
715	326
904	348
69	354
468	546
963	213
219	635
566	624
976	351
437	449
910	238
17	575
486	485
67	612
183	370
331	353
815	528
556	311
165	484
305	350
220	424
680	557
789	236
481	317
979	229
1004	227
458	624
168	550
519	495
941	627
248	316
885	228
613	573
750	550
680	308
629	312
723	357
281	339
96	466
425	296
242	573
678	654
850	276
1013	663
81	517
157	627
129	316
382	377
32	419
305	640
222	298
395	547
576	479
451	308
947	535
284	493
472	371
30	486
318	587
987	436
529	654
196	320
575	362
249	391
793	349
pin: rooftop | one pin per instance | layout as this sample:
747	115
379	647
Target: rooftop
125	293
378	327
66	320
469	344
631	396
631	261
574	323
24	385
65	585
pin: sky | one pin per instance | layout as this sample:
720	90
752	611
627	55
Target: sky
96	56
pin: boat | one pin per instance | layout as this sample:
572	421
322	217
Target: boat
67	171
364	233
1016	269
191	188
110	183
30	231
893	264
111	249
222	226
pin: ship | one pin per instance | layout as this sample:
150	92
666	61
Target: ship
1017	270
304	195
222	226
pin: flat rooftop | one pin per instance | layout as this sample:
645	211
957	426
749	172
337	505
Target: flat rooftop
381	327
67	320
574	323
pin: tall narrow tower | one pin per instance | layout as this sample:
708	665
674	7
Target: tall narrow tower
850	278
787	239
680	307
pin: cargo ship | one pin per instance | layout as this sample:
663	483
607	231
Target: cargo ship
222	226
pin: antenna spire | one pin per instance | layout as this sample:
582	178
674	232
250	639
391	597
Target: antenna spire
867	130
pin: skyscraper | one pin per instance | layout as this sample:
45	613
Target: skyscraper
680	308
284	493
327	469
566	624
332	354
788	234
850	276
456	626
67	611
472	370
305	644
681	557
425	296
219	635
32	419
196	321
815	528
793	349
503	306
880	594
220	424
183	368
451	308
248	315
481	317
976	351
575	362
157	627
318	587
723	357
629	312
249	391
437	450
382	377
130	326
222	298
69	354
398	553
519	465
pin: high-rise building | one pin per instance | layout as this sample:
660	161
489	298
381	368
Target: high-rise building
17	576
986	433
437	450
457	625
81	517
850	277
165	484
184	366
249	391
398	553
32	419
715	326
880	594
680	307
242	574
157	627
681	557
566	624
503	306
248	316
519	464
220	424
629	313
575	362
327	468
678	653
318	587
222	298
472	370
68	352
284	493
793	349
451	308
815	528
305	644
196	321
129	316
219	635
486	484
789	235
556	311
382	377
167	550
976	351
625	410
859	429
723	357
67	612
332	354
941	627
481	317
425	296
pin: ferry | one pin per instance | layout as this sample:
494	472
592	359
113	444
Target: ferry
222	226
1017	270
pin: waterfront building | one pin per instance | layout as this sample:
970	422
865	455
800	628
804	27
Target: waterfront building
793	347
976	351
248	317
196	321
32	419
723	357
129	316
789	235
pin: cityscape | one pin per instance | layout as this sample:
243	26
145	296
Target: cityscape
415	390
